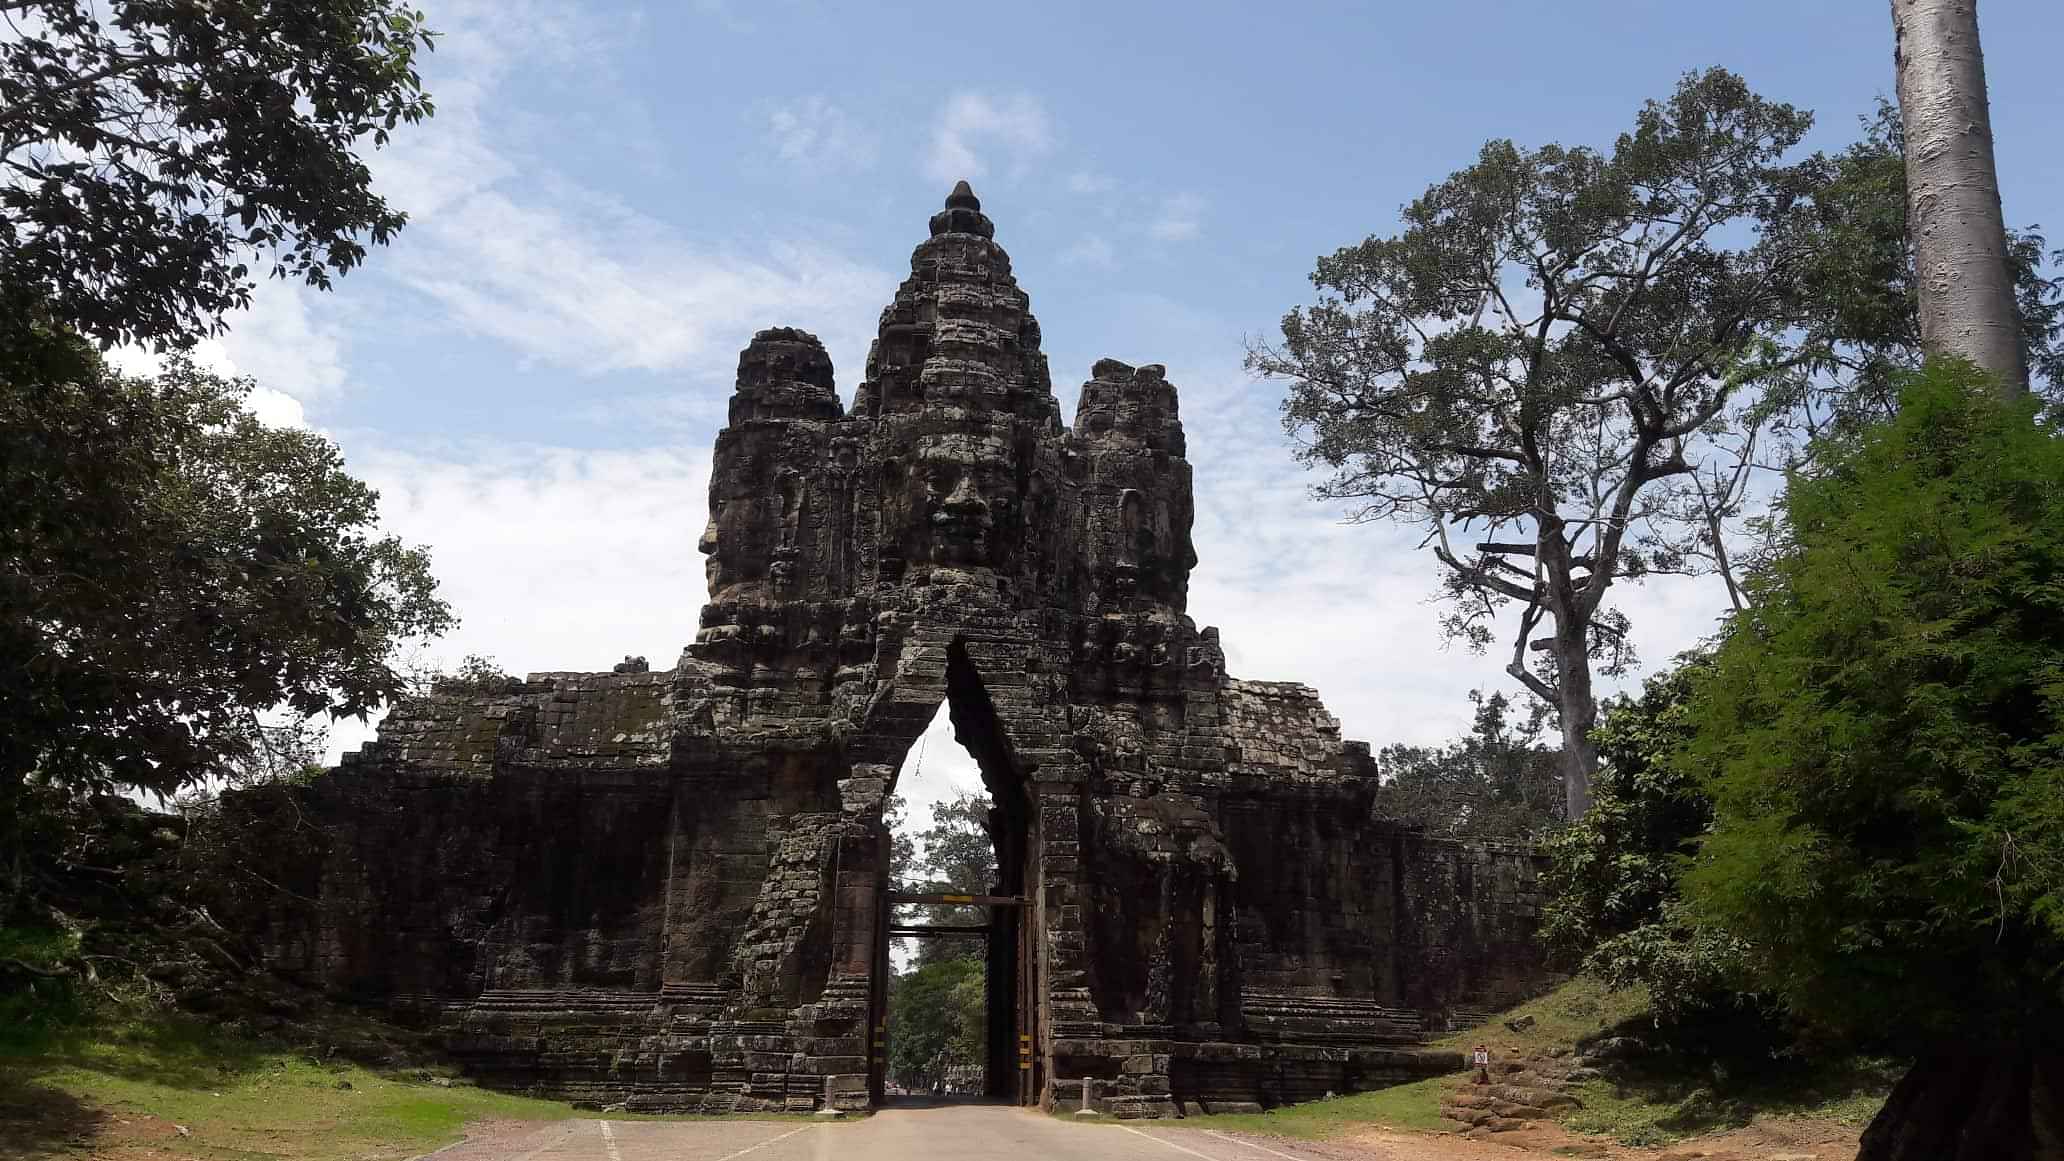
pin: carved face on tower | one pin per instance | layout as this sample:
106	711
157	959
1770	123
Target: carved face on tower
965	498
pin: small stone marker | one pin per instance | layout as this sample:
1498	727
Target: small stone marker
1088	1087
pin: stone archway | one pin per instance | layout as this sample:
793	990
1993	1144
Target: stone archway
669	889
1012	1071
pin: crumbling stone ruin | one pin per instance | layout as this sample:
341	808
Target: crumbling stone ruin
670	889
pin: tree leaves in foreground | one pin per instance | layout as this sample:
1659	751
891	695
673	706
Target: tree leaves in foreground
150	151
1884	733
170	568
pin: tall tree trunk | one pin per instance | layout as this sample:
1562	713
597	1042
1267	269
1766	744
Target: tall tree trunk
1974	1102
1577	709
1952	190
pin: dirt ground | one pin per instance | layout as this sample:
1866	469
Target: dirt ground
1764	1139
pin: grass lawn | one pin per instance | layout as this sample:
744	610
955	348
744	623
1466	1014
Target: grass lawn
112	1089
1414	1107
1580	1007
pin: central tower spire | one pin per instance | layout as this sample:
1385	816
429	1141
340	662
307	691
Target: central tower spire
960	333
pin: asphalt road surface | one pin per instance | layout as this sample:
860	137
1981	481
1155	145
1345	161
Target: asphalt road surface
961	1132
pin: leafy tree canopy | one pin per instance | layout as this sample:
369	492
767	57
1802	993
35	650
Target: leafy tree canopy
936	1022
954	854
1884	730
1499	781
1568	366
152	150
1613	905
170	568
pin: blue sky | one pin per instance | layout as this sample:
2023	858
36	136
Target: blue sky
613	197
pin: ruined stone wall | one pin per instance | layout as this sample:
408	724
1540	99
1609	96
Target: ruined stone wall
670	888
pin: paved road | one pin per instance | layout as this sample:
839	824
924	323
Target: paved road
963	1132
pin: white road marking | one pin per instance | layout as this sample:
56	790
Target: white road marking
1252	1145
761	1145
609	1142
1170	1144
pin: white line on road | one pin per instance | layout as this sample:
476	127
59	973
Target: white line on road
609	1142
1162	1141
1252	1145
761	1145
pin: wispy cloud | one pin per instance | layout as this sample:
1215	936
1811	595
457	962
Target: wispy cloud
1091	250
557	270
974	124
1084	181
816	136
555	558
1179	219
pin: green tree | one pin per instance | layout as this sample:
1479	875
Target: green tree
1613	905
1499	781
956	855
1569	367
1534	367
936	1022
1884	736
170	569
152	152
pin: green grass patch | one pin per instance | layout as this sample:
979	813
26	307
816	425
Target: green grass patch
1581	1007
1414	1107
239	1099
1658	1103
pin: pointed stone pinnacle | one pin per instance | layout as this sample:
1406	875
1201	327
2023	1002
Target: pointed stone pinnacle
962	197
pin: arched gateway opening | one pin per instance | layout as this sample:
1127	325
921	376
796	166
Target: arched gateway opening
955	916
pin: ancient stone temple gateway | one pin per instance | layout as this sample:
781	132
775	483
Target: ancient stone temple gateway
671	889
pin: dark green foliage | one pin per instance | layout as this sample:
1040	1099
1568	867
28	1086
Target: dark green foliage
170	568
1499	781
1882	731
152	150
1613	907
936	1022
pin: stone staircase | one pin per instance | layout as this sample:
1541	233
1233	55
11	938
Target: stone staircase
1524	1088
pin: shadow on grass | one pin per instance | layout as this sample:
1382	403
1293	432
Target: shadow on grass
38	1122
176	1051
1720	1071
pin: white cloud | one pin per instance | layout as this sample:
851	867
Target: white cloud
1085	182
240	354
1180	218
816	136
1016	127
275	408
1091	250
553	558
557	270
558	285
279	343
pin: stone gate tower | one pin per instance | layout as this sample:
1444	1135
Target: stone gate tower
671	888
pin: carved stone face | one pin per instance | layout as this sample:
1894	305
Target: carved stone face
967	498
